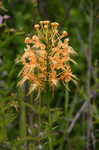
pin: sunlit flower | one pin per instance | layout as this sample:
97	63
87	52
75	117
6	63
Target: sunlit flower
47	56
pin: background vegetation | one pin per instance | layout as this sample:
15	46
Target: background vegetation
19	113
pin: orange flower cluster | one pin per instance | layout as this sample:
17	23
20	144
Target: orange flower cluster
47	57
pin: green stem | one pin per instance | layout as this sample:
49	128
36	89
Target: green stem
49	120
39	117
65	113
66	99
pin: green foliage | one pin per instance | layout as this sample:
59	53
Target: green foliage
26	123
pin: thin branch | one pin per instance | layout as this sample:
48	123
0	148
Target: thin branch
77	117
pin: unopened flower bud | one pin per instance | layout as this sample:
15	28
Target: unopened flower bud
46	22
34	38
66	40
45	26
64	33
36	26
54	24
41	22
27	40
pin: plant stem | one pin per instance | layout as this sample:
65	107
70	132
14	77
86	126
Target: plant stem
39	118
49	120
66	99
65	113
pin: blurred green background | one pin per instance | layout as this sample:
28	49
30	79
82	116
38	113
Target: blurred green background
81	20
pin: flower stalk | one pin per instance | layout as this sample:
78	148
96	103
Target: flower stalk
47	61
